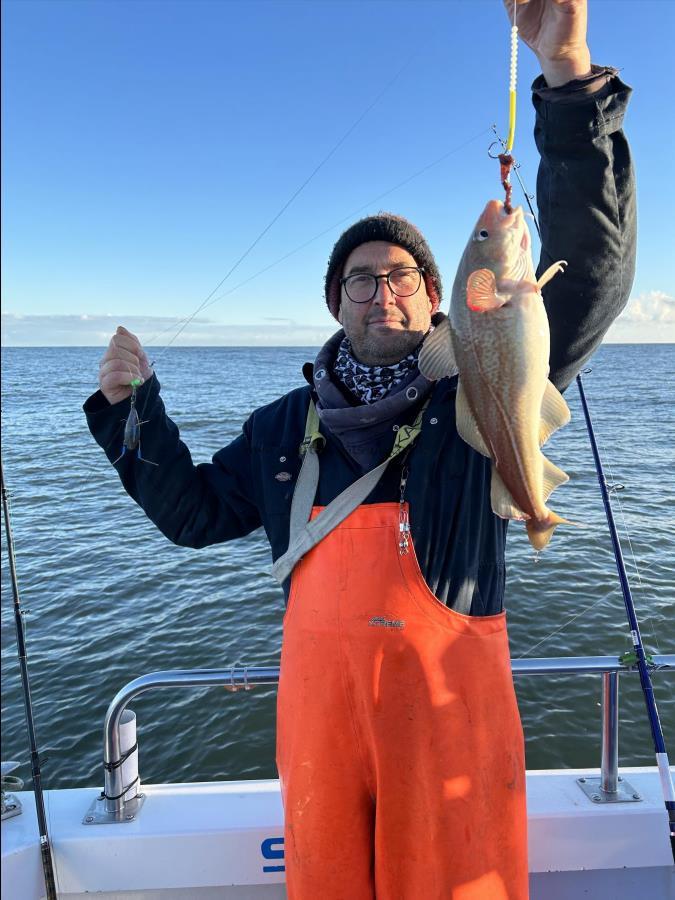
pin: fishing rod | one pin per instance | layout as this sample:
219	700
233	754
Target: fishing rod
507	163
640	660
45	846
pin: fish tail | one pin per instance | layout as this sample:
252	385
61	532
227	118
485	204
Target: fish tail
540	532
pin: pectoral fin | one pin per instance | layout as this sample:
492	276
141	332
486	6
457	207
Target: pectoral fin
467	427
481	291
437	358
554	413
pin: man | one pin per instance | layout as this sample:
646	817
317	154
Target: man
399	744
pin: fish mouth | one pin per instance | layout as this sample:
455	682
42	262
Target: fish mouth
513	224
495	216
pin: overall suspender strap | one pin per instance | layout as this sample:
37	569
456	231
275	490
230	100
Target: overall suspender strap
303	534
308	478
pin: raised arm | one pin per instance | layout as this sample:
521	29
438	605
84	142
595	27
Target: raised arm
586	200
585	183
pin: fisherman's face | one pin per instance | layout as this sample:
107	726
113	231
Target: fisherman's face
387	328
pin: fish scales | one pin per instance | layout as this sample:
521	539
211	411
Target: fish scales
497	337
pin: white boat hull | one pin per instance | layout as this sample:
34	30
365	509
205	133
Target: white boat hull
225	840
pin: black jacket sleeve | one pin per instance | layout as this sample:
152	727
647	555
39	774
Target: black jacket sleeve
586	199
193	505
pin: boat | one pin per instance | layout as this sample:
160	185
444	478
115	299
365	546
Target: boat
594	833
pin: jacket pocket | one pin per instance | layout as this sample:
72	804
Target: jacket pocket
277	469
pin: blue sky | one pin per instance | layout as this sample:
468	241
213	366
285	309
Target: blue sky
146	144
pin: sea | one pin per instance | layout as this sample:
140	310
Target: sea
107	598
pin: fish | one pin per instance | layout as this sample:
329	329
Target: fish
497	339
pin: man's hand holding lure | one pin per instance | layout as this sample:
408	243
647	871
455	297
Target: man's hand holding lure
123	369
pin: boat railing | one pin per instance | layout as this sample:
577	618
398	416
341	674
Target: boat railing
121	803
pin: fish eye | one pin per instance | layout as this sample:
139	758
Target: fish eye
482	235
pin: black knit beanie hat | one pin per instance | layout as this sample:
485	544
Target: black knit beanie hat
394	230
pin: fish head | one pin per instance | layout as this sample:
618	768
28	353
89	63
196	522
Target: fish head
500	242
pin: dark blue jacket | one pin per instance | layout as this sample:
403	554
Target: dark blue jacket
585	192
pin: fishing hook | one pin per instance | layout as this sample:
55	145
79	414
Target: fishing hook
506	163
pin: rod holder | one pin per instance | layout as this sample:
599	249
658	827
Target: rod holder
609	787
609	764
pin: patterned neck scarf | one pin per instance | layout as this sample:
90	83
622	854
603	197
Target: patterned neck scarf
370	383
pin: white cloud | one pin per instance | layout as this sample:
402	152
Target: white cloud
96	330
648	318
652	306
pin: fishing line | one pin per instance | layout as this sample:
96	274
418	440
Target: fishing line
616	494
529	197
573	619
513	74
516	168
293	196
648	619
211	300
638	647
337	224
613	488
506	162
45	846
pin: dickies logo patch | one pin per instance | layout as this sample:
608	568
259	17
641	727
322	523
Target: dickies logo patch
381	622
283	476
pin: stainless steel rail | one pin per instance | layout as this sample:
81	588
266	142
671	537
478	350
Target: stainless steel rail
245	678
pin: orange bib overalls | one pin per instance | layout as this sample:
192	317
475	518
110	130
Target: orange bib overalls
399	744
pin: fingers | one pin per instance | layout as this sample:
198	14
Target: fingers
128	340
129	368
123	362
116	351
115	377
125	346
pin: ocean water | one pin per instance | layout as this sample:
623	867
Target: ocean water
108	598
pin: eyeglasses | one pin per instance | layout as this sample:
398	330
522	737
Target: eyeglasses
403	282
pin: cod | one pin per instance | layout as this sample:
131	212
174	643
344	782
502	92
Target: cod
497	338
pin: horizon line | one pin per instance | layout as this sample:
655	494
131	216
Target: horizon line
262	346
